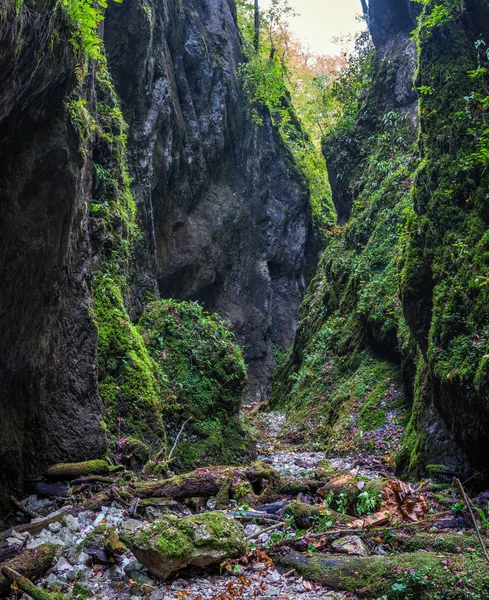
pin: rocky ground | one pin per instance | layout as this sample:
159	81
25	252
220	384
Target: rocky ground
91	563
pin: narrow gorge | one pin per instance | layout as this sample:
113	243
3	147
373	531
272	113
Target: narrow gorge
244	302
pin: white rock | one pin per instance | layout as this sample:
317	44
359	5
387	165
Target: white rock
252	529
14	541
351	544
45	538
63	564
273	576
85	518
131	524
54	527
72	523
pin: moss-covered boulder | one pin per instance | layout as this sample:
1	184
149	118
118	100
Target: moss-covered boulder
132	452
206	377
170	544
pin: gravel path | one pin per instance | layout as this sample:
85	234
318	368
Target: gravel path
78	574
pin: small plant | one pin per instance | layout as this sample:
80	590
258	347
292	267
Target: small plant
366	503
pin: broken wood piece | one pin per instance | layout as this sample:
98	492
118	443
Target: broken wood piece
93	479
375	520
40	524
29	563
267	530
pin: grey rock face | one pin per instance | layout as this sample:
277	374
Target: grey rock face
225	214
47	340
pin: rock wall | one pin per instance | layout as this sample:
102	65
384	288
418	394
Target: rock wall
225	212
402	284
49	403
221	208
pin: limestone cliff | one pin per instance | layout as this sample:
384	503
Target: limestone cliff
225	212
400	293
217	212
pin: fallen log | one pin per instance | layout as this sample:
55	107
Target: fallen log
251	515
373	576
448	543
64	471
40	524
52	490
26	585
9	550
272	508
305	515
253	484
29	563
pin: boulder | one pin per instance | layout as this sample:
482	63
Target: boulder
170	544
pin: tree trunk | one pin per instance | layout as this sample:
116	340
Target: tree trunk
257	483
373	576
257	26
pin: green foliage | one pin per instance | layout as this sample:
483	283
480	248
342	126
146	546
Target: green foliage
205	374
367	503
344	93
276	90
85	17
448	247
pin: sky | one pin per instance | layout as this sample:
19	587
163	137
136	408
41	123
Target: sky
321	20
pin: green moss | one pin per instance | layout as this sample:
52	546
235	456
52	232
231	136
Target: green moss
176	538
81	469
420	575
341	380
129	380
447	543
206	377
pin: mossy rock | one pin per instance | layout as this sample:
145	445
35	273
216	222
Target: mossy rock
206	377
170	544
133	453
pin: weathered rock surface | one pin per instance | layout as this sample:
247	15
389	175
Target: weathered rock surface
49	403
170	544
351	544
225	213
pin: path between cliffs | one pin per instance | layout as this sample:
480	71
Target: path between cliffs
84	574
129	580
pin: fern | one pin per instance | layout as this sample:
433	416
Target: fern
85	17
